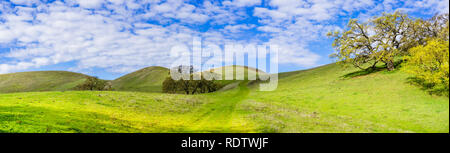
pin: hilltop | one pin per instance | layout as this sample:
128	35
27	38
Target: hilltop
147	80
230	84
40	81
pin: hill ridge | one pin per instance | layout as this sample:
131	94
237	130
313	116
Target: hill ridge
40	81
148	79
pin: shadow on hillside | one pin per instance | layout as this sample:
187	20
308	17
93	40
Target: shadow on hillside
431	88
361	73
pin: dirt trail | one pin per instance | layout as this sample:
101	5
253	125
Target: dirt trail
220	115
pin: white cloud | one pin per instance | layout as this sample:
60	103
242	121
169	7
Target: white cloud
317	10
293	41
221	14
116	35
90	3
62	34
269	29
354	5
177	9
437	6
25	2
5	35
272	14
242	3
237	28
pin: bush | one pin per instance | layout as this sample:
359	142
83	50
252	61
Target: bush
430	65
189	86
94	83
169	86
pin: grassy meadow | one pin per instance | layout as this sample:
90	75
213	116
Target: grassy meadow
324	99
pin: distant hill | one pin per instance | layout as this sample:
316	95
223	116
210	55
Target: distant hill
230	84
150	79
249	70
144	80
147	80
40	81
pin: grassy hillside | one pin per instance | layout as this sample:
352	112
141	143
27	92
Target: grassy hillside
332	99
148	80
323	99
247	71
40	81
230	84
114	111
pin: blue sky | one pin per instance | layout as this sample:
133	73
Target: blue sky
109	38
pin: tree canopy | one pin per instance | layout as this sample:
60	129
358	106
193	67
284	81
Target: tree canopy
94	83
381	39
189	86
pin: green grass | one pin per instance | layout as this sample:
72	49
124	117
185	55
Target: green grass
40	81
87	111
323	99
146	80
234	83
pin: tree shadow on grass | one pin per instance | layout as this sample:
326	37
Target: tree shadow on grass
431	88
368	71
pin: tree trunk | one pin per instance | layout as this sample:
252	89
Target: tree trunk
195	90
374	66
390	65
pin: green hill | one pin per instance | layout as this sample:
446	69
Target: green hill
147	80
247	70
330	98
323	99
40	81
230	84
150	79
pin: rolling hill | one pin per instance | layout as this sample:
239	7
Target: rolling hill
40	81
247	70
150	79
146	80
230	84
323	99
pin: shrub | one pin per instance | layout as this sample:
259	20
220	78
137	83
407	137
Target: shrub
169	85
430	65
189	86
94	83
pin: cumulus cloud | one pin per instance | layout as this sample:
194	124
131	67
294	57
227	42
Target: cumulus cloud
124	35
90	3
438	6
177	9
242	3
62	34
237	28
25	2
